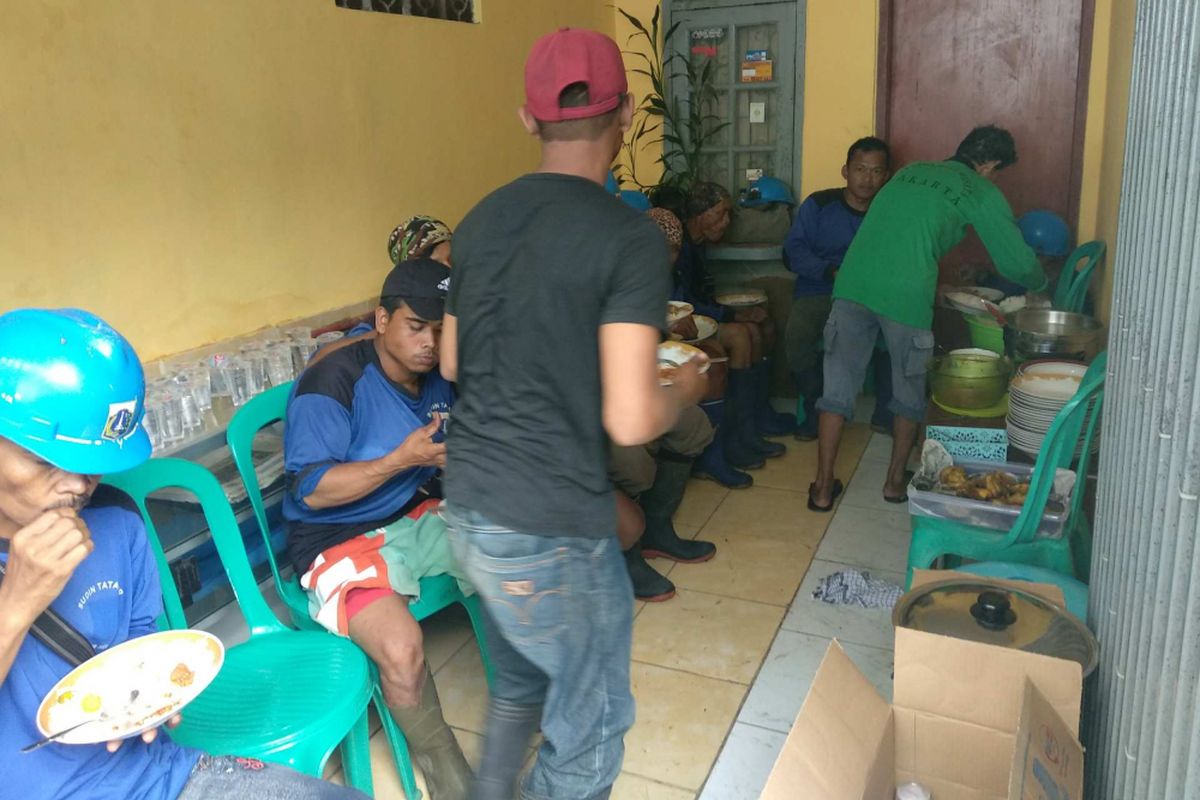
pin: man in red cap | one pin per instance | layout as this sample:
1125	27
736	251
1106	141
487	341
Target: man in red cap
552	322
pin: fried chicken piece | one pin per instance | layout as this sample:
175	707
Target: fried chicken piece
998	484
953	477
182	676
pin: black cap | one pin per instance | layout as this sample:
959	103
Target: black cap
422	284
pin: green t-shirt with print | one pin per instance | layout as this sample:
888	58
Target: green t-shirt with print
922	212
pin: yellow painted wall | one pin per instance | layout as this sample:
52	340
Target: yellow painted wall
193	171
646	156
1104	142
840	60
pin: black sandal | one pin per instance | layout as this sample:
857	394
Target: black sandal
837	490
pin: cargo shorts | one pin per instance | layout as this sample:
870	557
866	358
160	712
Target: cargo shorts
850	335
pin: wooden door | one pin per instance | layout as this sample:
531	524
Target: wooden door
947	66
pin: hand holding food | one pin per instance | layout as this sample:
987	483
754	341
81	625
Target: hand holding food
42	557
418	448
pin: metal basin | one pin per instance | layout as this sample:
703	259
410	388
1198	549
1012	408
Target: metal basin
1040	332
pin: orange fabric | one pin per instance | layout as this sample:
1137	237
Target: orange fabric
363	553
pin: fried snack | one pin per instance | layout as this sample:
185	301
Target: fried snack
1014	499
182	676
953	478
978	491
998	484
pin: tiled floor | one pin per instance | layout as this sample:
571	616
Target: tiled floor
721	670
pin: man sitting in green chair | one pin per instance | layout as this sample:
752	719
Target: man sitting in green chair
363	436
74	396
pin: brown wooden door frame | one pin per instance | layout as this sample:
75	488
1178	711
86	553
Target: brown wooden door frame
1086	27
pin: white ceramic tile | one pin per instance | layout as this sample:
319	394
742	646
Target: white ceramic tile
870	538
782	683
875	663
846	623
879	448
866	487
745	762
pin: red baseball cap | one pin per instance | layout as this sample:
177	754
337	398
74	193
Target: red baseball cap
573	55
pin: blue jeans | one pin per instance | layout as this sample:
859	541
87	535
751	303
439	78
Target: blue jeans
231	777
559	623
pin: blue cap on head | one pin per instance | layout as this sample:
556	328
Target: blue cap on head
635	200
72	391
1045	232
766	190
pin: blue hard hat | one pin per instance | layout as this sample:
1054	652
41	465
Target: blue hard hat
72	391
1045	232
634	199
767	190
610	183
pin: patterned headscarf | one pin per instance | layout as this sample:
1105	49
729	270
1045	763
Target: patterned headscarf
416	236
672	228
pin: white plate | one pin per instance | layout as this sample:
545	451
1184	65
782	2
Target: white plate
706	328
1071	369
677	310
991	295
132	687
966	302
1060	386
975	351
738	298
672	355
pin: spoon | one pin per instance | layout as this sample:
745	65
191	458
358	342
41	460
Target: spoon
29	748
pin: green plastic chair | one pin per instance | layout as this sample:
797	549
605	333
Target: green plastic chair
284	696
437	591
1071	553
1071	292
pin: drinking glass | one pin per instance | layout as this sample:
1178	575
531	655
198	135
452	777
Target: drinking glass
237	375
280	368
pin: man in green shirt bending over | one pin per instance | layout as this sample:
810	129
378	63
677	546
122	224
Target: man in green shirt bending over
887	283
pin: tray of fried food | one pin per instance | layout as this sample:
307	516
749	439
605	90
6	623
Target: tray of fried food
996	486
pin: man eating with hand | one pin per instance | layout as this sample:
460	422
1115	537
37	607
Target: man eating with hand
75	559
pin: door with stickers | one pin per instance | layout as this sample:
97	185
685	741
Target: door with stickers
756	51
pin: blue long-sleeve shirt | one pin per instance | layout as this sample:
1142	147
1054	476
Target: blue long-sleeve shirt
692	283
817	242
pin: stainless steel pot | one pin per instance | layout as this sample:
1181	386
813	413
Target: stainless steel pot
1043	332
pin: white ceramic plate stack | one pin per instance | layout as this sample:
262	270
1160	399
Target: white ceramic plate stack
1036	395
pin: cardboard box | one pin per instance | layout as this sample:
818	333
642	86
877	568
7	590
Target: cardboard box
968	721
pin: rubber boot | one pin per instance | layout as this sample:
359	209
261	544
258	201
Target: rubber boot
659	504
433	747
881	419
510	726
768	421
743	445
710	464
648	585
810	383
807	430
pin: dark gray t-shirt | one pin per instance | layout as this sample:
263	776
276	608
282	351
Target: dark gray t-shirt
539	266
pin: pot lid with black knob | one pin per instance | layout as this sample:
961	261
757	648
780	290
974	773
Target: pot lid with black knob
998	615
